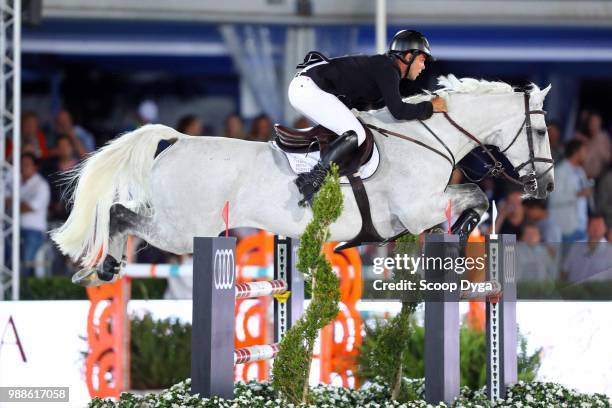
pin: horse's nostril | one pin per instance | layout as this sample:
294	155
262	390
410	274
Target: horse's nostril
550	187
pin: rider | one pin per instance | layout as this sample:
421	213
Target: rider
326	89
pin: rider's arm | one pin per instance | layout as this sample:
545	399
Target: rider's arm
408	88
389	85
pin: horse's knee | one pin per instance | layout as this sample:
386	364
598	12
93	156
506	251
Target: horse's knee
480	201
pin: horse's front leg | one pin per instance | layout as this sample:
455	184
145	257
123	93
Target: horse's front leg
467	200
470	202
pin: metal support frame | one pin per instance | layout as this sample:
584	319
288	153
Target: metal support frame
287	313
214	296
442	325
10	122
381	26
501	334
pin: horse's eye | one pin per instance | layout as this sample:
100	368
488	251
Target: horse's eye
541	132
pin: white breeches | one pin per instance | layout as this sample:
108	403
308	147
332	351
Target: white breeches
323	108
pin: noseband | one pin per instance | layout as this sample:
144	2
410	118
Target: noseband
529	181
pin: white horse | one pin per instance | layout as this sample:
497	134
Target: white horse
167	199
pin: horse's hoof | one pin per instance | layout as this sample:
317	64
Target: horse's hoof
436	230
465	224
110	267
87	277
106	276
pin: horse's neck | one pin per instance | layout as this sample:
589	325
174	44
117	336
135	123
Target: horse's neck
458	143
449	136
477	114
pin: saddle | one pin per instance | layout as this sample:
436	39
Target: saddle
318	138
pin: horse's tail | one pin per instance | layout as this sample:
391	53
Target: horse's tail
117	173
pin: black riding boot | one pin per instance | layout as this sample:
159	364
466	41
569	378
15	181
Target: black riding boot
338	152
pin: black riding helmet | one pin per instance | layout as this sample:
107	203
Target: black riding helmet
409	41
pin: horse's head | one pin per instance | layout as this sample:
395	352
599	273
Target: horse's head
488	113
526	146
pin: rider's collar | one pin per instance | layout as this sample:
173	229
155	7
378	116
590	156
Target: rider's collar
394	58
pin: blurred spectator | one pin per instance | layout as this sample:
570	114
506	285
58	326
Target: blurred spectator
511	214
604	196
583	118
261	128
66	157
34	202
534	260
233	127
487	185
554	137
597	143
65	160
82	140
568	202
592	260
33	139
596	231
301	123
536	212
190	125
147	112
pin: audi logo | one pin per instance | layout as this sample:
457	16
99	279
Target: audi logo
224	269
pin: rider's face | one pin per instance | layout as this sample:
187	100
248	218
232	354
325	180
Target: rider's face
417	66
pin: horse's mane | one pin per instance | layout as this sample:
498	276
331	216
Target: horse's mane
450	84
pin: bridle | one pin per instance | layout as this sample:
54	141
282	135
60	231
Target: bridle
529	181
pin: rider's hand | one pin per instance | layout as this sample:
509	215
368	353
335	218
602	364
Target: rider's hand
439	104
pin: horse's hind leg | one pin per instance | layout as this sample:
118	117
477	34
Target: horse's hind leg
122	222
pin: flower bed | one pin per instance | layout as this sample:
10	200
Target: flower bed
261	395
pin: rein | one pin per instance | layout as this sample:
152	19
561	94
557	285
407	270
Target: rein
387	133
529	181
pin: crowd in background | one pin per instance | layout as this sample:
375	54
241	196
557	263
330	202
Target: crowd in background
49	150
579	209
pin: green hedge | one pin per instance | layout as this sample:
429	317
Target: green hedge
376	395
51	288
61	288
160	352
472	356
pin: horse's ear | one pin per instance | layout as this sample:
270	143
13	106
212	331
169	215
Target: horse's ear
539	96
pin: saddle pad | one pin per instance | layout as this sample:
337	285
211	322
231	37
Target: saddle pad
302	163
